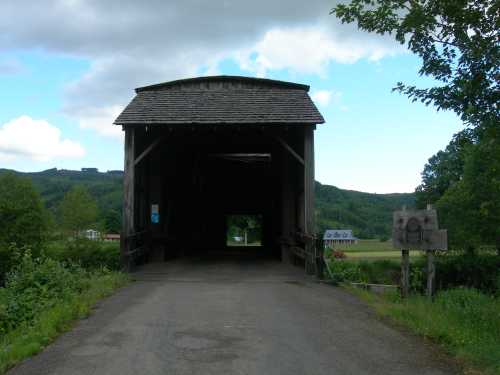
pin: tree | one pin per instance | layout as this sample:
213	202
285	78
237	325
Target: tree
22	220
459	44
470	209
22	215
247	225
458	41
78	210
444	169
112	221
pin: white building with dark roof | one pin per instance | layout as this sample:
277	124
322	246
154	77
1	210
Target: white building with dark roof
335	237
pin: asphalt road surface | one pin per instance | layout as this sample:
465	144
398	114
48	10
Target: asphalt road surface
233	317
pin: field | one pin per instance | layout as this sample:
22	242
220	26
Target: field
374	250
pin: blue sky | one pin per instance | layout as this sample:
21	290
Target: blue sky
60	95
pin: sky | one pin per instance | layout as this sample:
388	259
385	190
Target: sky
68	67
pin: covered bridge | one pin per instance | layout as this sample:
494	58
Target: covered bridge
198	150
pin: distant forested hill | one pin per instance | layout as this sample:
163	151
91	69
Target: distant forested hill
369	215
106	188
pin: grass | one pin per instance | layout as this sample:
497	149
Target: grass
380	254
30	339
373	250
465	322
368	246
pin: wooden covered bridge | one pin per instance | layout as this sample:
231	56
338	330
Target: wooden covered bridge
198	150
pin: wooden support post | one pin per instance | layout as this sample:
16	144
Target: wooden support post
405	273
431	273
309	225
319	252
128	198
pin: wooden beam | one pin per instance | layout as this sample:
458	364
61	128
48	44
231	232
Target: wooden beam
309	227
309	180
150	148
128	197
290	149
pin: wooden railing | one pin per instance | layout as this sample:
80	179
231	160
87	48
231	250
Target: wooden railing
136	248
311	250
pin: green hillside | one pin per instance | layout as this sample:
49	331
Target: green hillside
369	215
106	188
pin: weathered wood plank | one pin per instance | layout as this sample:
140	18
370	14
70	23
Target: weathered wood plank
309	180
128	227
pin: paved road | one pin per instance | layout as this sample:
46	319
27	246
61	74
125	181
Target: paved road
233	317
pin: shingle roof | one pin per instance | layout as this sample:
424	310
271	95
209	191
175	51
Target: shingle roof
338	234
221	100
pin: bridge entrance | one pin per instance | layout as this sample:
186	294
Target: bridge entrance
201	154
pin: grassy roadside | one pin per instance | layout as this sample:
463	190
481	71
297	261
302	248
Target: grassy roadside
465	322
30	338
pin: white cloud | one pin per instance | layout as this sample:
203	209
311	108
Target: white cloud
324	97
129	43
35	139
101	120
309	50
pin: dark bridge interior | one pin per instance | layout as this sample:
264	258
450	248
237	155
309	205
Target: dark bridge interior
187	169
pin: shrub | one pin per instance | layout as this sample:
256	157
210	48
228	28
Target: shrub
34	285
89	254
344	271
382	271
479	271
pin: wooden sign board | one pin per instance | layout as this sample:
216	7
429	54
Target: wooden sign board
418	230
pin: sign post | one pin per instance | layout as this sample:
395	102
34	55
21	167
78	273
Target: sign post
405	273
417	230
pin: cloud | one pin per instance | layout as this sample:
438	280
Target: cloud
101	120
309	50
322	97
35	139
130	43
325	98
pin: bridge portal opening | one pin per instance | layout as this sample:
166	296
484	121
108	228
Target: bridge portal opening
203	155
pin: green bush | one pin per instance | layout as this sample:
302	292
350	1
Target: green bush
342	271
382	271
479	271
373	272
88	254
34	285
40	300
